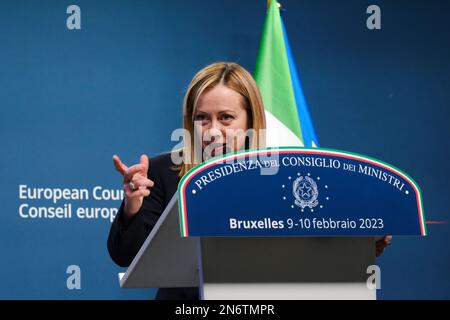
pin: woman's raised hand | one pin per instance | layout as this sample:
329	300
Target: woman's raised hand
135	184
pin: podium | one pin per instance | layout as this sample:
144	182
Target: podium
250	268
274	256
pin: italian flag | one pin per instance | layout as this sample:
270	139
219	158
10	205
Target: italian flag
287	116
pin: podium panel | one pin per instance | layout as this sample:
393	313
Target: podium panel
165	260
287	268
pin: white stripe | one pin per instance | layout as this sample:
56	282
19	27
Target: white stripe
278	135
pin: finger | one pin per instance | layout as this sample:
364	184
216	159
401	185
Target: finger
144	162
119	165
138	193
140	181
131	171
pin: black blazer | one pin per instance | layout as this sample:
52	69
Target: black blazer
125	240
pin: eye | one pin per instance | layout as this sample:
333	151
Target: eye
227	117
200	117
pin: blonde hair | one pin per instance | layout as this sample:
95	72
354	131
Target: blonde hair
234	77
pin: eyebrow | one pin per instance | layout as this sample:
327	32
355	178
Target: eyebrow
220	112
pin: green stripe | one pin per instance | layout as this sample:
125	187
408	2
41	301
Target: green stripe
272	73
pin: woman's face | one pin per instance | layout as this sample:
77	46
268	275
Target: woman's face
221	121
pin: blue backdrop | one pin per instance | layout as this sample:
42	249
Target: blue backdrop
70	99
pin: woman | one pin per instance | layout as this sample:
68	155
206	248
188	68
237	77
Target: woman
221	102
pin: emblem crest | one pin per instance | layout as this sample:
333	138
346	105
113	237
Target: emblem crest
305	192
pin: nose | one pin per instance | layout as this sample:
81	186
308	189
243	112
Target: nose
216	125
214	132
213	135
